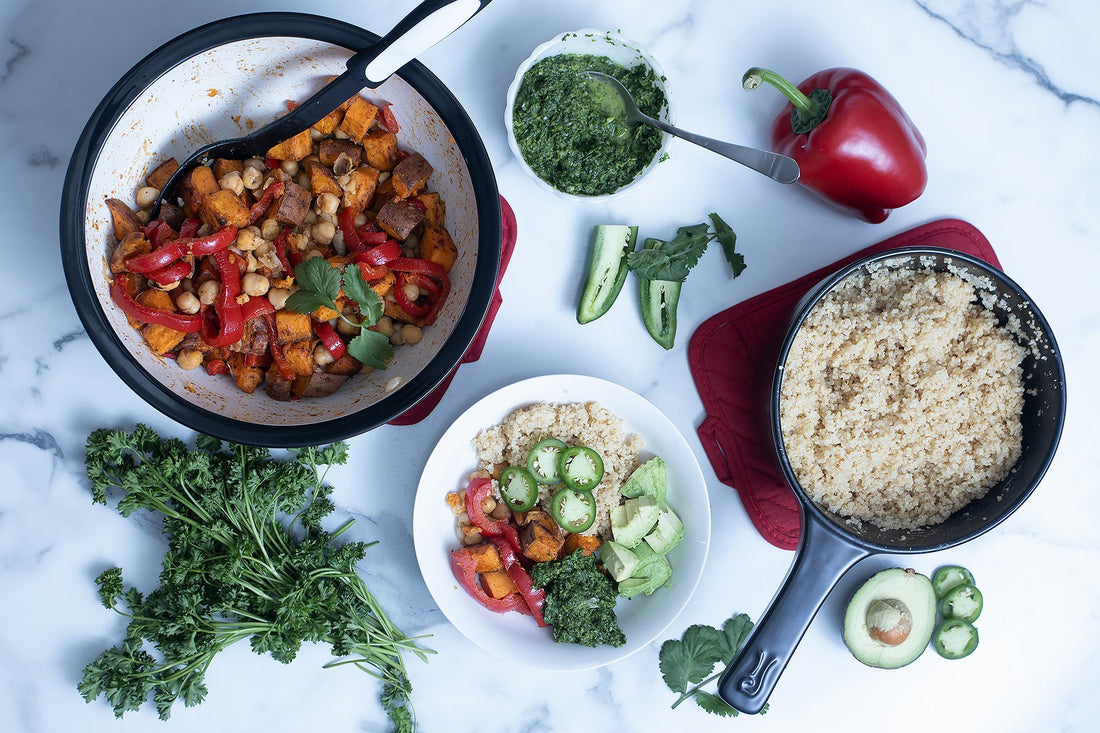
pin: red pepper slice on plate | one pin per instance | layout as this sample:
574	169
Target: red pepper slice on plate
190	228
167	253
214	367
120	294
279	246
346	221
388	120
172	274
276	348
370	235
256	305
476	490
534	597
223	324
463	565
388	250
854	144
330	339
260	207
432	280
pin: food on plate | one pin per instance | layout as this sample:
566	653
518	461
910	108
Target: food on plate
546	520
890	618
687	664
295	272
901	398
854	144
564	133
661	266
247	559
960	605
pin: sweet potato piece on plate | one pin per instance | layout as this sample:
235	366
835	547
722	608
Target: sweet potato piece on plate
436	245
486	557
540	543
585	542
123	218
223	207
358	118
291	326
381	149
359	190
197	183
410	176
498	584
160	175
132	244
294	148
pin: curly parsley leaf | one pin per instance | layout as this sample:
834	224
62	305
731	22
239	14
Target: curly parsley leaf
109	584
372	348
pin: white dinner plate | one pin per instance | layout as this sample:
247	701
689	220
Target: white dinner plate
515	637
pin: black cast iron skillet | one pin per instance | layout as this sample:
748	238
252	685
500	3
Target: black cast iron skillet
78	181
828	546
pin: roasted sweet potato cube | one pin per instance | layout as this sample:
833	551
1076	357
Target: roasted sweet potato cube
276	387
223	167
358	118
380	147
299	355
197	183
359	190
223	207
248	378
291	326
498	584
322	180
384	285
410	176
123	218
435	210
160	175
330	150
486	557
540	544
318	384
588	543
329	122
291	208
383	194
346	364
154	298
133	244
539	515
294	148
161	338
398	219
436	245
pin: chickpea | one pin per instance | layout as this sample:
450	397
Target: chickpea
411	334
277	297
189	359
412	292
321	355
254	283
327	203
299	242
346	329
251	178
303	180
339	134
249	239
256	163
146	195
311	218
316	135
143	216
208	292
342	165
290	167
488	504
395	337
187	302
312	254
232	181
501	511
360	219
323	232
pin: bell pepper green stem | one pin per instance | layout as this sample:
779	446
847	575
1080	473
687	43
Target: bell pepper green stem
808	111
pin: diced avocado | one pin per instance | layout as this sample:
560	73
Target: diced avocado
618	560
650	479
651	572
632	520
668	533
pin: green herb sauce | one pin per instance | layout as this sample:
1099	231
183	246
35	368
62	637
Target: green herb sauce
566	134
580	601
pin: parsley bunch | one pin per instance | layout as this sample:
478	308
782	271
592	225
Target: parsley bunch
247	559
687	663
320	285
673	260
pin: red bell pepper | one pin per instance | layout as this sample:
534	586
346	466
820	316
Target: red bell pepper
167	253
120	294
854	144
476	490
331	340
369	234
260	207
279	245
223	324
388	250
190	228
172	274
388	120
534	597
276	349
214	367
256	305
346	221
433	282
463	565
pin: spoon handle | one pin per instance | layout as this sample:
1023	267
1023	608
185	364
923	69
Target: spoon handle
773	165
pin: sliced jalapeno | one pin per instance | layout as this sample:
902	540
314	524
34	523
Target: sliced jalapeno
955	638
950	576
518	488
581	468
962	601
574	510
544	459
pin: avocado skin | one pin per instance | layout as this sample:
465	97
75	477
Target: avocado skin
905	585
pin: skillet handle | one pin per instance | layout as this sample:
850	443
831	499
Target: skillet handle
823	556
426	25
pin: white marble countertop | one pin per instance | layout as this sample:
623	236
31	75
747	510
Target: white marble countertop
1007	96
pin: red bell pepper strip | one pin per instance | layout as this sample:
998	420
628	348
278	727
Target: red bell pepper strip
414	308
256	305
476	490
330	339
272	162
463	565
388	120
260	207
214	367
370	274
369	234
346	221
418	204
383	253
190	228
158	232
279	245
223	324
276	348
534	597
854	144
167	253
172	274
120	294
438	290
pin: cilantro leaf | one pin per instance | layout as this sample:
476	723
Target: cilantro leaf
734	633
728	239
690	659
372	348
370	302
318	276
714	704
305	301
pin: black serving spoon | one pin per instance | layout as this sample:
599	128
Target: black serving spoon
429	23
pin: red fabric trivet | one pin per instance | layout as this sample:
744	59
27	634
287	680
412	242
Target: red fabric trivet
732	357
424	407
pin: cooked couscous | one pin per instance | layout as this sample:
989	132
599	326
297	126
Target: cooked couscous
901	398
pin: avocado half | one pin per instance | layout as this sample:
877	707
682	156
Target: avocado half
890	619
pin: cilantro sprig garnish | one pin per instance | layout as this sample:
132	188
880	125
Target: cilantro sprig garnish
320	285
247	559
672	260
687	664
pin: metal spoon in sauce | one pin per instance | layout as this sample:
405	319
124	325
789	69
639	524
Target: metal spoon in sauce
777	167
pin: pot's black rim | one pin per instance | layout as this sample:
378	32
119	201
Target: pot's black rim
810	510
79	276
